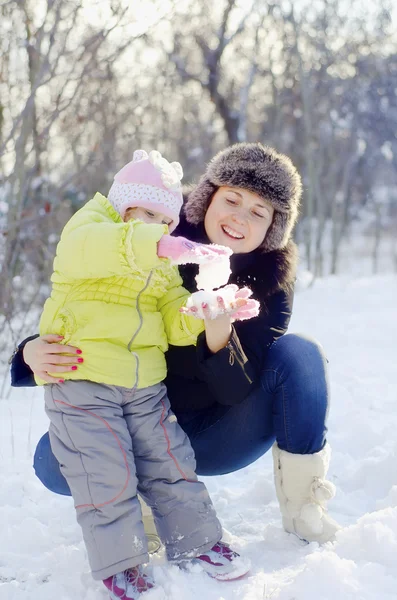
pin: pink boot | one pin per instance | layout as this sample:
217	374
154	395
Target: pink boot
222	563
128	585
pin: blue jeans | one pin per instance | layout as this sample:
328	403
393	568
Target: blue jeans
289	405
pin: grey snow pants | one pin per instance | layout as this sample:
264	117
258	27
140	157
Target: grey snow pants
112	442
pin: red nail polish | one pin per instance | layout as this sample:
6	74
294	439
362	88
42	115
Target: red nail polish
79	352
74	368
61	381
80	360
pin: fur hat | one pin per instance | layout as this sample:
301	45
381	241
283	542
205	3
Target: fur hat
259	169
149	181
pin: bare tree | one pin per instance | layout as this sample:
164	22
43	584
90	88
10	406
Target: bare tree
52	108
215	39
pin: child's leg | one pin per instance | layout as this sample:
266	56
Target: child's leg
91	441
183	511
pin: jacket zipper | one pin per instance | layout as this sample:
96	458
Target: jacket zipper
235	356
139	328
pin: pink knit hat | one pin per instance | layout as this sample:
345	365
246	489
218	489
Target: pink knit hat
149	181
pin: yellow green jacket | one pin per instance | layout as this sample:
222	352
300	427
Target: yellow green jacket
114	298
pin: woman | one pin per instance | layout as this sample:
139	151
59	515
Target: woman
246	387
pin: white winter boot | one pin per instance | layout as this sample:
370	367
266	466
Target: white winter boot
153	540
303	492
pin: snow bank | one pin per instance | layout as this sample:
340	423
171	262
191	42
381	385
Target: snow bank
42	556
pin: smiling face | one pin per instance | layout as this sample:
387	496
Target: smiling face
238	219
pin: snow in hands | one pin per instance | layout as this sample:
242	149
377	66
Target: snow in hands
229	300
215	273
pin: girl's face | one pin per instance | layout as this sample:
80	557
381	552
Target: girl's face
146	215
238	219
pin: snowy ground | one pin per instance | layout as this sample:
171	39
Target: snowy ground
41	553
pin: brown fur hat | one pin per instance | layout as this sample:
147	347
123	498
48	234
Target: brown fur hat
259	169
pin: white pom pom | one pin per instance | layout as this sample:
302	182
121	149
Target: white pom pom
178	169
167	179
171	174
139	155
312	515
155	157
322	491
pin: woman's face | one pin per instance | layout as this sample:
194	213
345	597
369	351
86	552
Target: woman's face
238	219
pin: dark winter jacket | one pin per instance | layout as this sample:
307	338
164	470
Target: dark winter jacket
196	377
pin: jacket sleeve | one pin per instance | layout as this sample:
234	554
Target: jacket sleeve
103	249
180	329
232	372
21	373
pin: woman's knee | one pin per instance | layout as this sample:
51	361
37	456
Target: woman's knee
300	364
298	348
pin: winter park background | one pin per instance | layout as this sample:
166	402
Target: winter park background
82	84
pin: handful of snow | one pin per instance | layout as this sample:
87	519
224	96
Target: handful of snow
230	300
214	273
210	298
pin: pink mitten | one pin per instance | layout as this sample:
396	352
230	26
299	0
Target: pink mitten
244	307
182	251
247	311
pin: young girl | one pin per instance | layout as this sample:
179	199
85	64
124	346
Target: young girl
118	298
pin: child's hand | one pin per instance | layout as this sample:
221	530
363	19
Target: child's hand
230	300
182	251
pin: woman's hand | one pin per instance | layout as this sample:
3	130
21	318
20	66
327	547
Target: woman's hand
45	354
219	309
228	301
244	310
